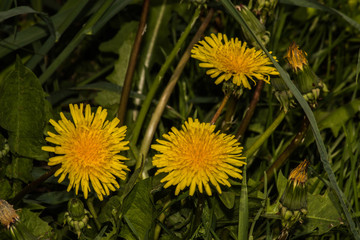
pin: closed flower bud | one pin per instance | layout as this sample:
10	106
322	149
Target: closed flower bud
255	26
293	202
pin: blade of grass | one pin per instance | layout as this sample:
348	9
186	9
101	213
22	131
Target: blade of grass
91	27
319	142
317	5
36	32
36	58
243	210
158	79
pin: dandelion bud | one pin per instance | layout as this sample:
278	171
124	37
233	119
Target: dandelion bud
77	216
255	26
264	8
293	203
304	77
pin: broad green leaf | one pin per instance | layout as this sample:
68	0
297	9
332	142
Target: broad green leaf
34	223
5	189
338	117
335	119
20	168
139	209
107	210
55	197
228	199
121	44
322	216
126	233
22	112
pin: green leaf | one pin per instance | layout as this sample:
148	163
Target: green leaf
338	117
322	216
5	189
106	211
22	112
228	199
139	209
20	168
16	11
34	223
121	44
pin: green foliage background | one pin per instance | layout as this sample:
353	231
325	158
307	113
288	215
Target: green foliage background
54	53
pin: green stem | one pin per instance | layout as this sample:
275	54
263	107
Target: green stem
155	119
198	213
158	79
90	205
229	114
161	219
255	146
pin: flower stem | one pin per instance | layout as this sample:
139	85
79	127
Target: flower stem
250	112
34	184
255	146
158	79
161	219
90	205
218	112
132	63
150	131
289	149
198	213
229	114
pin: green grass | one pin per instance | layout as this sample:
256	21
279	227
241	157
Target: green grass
54	53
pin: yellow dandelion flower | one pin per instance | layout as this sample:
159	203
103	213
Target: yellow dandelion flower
296	57
88	150
196	156
232	59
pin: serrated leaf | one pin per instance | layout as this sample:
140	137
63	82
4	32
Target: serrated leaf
127	35
20	168
22	112
139	210
34	223
106	211
322	216
338	117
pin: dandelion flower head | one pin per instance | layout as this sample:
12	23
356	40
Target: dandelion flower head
88	150
228	59
196	156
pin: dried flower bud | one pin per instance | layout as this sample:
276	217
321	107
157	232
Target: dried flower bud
8	216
